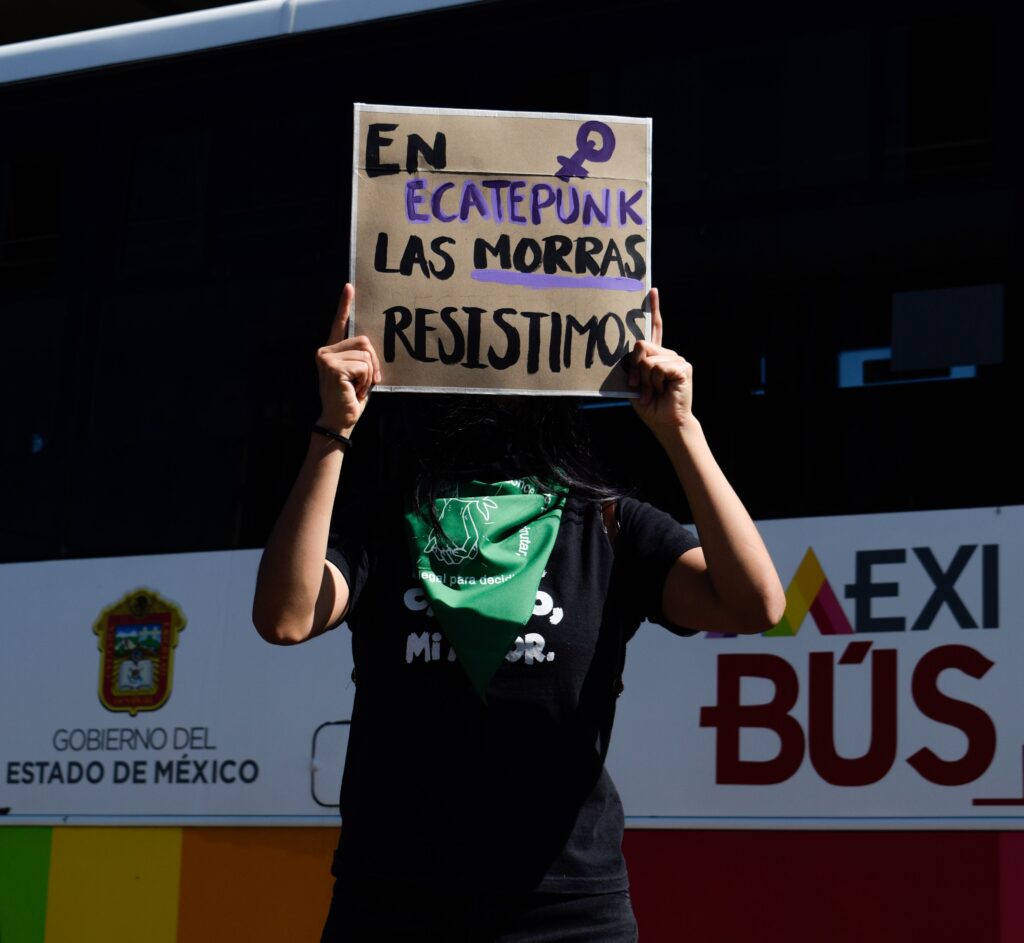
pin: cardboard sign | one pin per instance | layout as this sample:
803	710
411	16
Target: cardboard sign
501	252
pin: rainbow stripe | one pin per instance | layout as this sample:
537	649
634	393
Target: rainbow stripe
163	885
810	592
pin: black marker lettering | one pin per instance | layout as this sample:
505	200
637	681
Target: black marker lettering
611	355
374	142
639	269
555	343
588	327
612	256
473	344
422	330
520	260
635	323
436	156
448	268
458	338
396	321
414	255
500	250
586	248
533	340
556	248
511	355
380	255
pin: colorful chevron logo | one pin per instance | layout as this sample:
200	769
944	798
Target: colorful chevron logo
810	592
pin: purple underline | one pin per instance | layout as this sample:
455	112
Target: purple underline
540	280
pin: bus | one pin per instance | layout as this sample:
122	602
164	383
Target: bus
837	203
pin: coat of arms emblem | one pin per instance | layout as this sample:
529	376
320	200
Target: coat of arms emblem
136	637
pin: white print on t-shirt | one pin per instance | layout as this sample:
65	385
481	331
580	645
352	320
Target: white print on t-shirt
463	538
416	600
530	648
545	606
427	645
432	646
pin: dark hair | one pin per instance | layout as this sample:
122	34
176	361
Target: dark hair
439	440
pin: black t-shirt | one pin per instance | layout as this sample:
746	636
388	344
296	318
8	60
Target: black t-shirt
438	786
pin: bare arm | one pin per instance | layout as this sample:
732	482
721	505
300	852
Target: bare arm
299	594
728	584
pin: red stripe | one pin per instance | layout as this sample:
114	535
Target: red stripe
824	886
829	614
1011	880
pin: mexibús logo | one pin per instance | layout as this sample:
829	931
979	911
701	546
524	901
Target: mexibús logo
900	685
811	593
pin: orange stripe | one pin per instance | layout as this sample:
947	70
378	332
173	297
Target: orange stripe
255	884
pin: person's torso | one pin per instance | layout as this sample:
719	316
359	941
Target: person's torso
511	790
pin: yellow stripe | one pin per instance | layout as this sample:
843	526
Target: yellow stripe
809	577
796	607
113	883
800	594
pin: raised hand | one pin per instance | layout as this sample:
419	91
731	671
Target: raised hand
348	368
663	378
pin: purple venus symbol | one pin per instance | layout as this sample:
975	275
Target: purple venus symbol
587	150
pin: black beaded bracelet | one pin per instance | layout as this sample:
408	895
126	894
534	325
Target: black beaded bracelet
337	436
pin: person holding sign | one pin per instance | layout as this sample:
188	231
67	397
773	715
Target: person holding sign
490	604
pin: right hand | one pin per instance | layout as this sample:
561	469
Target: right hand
348	368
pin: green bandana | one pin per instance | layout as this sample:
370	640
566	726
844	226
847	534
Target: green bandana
481	576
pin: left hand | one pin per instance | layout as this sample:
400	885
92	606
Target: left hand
663	377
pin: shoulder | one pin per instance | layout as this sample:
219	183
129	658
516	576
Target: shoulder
648	529
649	546
581	525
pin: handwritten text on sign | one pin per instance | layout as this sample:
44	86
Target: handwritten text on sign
501	252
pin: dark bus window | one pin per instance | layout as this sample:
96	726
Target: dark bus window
174	235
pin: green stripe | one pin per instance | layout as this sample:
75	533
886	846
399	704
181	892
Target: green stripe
782	628
24	874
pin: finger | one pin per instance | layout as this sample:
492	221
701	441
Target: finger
668	373
360	375
669	361
359	342
640	355
355	368
363	344
659	370
645	375
360	365
366	373
656	324
340	324
341	363
665	369
376	364
337	359
641	350
634	361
